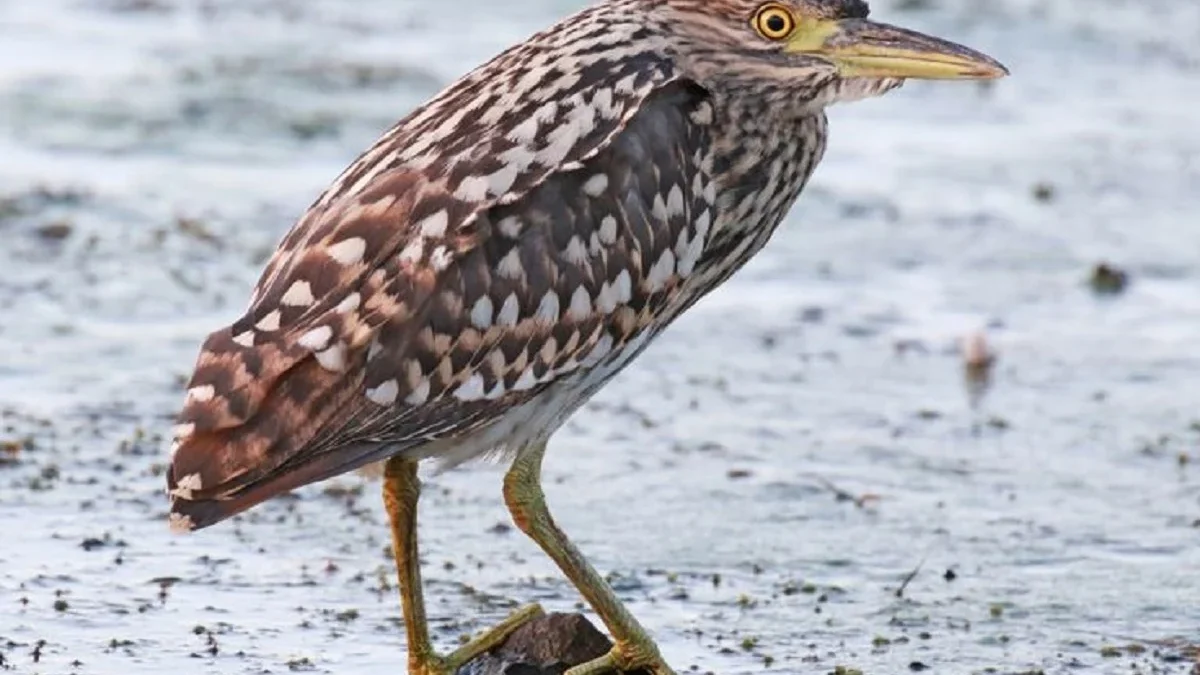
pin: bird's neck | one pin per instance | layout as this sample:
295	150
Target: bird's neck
764	160
761	164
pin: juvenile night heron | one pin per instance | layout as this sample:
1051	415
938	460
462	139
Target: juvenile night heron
508	247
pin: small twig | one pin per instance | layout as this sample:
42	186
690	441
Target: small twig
860	501
911	575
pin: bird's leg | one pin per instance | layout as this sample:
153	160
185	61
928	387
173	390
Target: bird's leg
401	490
633	648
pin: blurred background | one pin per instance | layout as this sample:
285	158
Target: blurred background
947	420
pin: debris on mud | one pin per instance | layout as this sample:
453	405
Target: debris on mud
1044	192
978	361
1108	279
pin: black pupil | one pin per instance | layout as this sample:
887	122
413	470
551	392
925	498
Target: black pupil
776	23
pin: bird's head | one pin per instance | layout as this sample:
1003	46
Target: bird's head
814	51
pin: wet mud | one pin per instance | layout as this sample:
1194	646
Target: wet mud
947	422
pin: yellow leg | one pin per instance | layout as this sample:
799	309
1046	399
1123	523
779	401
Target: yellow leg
401	490
633	648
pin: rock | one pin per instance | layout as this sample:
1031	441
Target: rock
547	645
1108	279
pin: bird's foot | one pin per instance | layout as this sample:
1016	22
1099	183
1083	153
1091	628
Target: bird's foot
434	664
625	657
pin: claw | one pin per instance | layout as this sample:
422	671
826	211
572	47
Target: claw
434	664
626	657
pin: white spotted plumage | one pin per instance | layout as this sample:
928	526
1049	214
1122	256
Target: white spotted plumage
299	294
348	251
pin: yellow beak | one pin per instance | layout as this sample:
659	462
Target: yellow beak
861	48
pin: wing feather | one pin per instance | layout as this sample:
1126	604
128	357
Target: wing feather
418	301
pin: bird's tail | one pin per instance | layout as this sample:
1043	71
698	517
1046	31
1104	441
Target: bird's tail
251	428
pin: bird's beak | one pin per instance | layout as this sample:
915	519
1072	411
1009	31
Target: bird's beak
861	48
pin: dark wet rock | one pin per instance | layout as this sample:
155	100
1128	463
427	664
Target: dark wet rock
1107	279
56	231
547	645
92	543
1044	192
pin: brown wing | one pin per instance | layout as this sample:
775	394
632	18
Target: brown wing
567	275
573	271
387	317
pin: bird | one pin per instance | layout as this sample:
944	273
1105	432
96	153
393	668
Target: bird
508	247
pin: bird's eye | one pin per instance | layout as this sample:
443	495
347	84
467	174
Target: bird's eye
774	22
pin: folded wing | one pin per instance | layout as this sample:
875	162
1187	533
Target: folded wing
437	285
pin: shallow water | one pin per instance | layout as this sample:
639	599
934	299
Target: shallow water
152	152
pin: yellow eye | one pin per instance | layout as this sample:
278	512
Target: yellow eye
774	22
